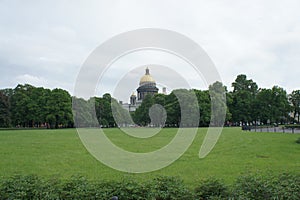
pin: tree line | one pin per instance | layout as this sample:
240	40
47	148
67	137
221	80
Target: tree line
29	106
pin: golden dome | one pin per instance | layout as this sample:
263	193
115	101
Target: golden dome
147	78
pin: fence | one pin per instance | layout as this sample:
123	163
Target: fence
273	129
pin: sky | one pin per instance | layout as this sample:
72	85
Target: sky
45	43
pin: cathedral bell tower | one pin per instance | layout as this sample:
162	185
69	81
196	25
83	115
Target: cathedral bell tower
133	99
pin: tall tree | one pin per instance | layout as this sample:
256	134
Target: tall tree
83	112
243	99
189	108
59	109
218	100
121	116
141	115
280	106
204	103
104	111
263	103
273	105
173	110
181	108
158	112
19	105
294	99
5	118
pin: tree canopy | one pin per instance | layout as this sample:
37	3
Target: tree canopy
29	106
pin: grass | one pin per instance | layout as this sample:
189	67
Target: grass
60	153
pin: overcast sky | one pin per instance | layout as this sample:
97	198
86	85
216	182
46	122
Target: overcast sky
44	43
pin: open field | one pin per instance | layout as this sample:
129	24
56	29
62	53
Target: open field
60	153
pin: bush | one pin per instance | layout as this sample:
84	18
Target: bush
77	188
253	187
287	186
169	188
126	189
284	186
20	187
211	189
49	189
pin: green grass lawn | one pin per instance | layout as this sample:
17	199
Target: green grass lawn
60	153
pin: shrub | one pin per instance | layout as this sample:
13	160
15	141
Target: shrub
126	189
104	190
211	189
287	186
20	187
284	186
253	187
169	188
77	187
49	189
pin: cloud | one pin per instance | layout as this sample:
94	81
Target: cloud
29	79
45	43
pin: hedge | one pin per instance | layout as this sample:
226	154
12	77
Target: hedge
283	186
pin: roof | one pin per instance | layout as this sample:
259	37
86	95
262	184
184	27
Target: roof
147	78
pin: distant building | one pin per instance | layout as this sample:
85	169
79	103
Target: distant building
147	86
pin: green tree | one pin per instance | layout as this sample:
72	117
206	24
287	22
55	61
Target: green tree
104	111
280	106
5	118
37	106
204	103
158	112
243	99
173	110
83	113
218	104
59	106
29	105
121	116
294	99
264	105
272	105
182	109
189	109
19	105
159	99
141	115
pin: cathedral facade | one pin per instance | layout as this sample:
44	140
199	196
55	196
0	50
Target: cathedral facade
147	86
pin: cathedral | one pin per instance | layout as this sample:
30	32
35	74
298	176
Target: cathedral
147	86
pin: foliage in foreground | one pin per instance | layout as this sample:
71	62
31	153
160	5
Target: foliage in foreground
284	186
